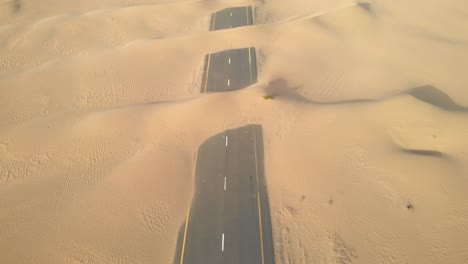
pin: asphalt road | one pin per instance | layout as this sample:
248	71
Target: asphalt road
229	220
230	69
231	18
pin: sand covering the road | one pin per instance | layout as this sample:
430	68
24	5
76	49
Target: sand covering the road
100	117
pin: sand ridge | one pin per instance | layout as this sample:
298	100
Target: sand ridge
100	115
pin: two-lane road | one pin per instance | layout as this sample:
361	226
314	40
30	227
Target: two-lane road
231	18
229	220
230	69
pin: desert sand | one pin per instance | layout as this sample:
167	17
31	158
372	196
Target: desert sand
101	114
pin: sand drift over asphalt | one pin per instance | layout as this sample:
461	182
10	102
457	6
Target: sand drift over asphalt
365	149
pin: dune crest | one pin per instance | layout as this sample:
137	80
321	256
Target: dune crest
436	97
362	106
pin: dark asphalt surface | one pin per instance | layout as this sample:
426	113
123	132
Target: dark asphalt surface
230	69
231	18
230	200
229	219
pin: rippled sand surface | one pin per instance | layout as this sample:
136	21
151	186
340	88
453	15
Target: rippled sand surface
366	149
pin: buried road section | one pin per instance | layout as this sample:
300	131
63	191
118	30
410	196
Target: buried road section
229	70
231	18
229	219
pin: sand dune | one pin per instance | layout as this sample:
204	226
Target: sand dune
365	139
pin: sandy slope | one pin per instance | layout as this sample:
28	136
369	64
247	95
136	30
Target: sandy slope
100	116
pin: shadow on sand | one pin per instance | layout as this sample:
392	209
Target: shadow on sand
366	7
426	93
16	6
280	88
431	95
424	152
